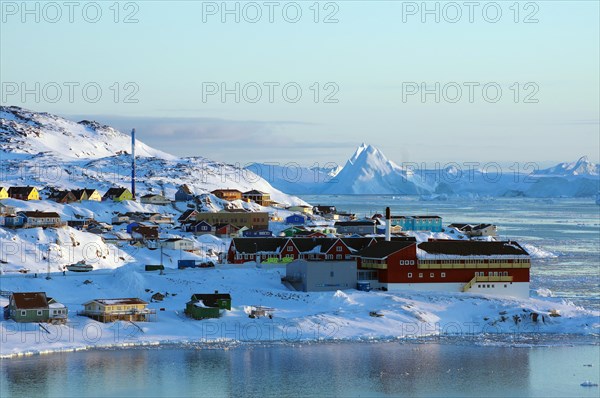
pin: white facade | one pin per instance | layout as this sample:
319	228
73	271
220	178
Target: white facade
514	289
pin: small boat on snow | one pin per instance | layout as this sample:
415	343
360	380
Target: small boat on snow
81	266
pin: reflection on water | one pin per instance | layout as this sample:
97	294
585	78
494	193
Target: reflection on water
348	369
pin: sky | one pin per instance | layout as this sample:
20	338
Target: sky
309	81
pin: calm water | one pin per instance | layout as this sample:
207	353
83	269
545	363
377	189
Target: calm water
546	366
569	228
348	370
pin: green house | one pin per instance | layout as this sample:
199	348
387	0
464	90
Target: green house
202	306
293	231
36	307
118	194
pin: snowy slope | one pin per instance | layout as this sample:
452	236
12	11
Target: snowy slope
45	150
23	131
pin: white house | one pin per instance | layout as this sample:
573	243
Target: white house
178	244
153	199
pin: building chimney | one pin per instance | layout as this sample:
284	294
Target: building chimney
388	224
133	163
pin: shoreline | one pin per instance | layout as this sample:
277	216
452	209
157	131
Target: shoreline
497	340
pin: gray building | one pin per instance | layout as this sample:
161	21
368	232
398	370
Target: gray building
321	276
359	227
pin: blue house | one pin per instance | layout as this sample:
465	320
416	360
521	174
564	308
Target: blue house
201	228
131	226
295	219
257	233
418	223
184	194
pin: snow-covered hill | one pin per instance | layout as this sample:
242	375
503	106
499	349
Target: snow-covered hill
369	171
46	150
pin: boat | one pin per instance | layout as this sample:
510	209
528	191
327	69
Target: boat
81	266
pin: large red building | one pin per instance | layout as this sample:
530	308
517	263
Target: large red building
243	250
500	268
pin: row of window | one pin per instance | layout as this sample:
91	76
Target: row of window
494	273
407	262
492	286
431	275
41	312
482	261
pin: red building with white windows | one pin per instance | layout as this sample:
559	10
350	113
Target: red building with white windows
500	268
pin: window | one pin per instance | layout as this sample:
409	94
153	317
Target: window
338	256
410	274
338	249
23	313
39	312
401	262
420	274
443	274
290	249
412	262
431	275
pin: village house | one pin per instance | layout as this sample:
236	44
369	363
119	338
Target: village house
200	228
87	194
6	210
143	232
324	210
418	223
226	230
117	194
358	227
296	219
24	193
154	199
248	219
33	219
178	244
301	209
116	237
187	216
3	193
123	309
203	306
257	233
35	307
227	194
62	197
500	268
184	194
474	230
119	219
258	197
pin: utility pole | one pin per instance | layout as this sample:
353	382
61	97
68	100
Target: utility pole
48	268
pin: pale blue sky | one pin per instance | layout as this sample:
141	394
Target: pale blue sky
170	52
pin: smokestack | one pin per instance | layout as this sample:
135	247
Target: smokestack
133	163
388	224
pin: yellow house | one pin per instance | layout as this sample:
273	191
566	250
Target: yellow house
3	193
87	194
118	194
24	193
109	310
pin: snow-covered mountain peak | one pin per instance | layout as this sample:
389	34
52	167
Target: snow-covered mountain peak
26	132
582	167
